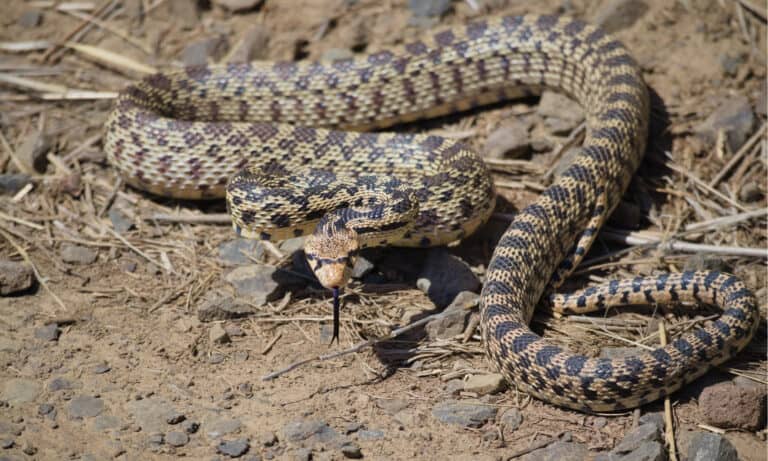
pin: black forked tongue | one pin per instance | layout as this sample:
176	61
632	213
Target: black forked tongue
336	303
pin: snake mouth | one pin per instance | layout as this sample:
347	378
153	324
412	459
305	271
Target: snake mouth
336	308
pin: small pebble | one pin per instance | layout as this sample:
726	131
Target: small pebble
76	254
48	332
233	448
6	443
175	418
351	451
176	439
101	368
190	427
30	18
15	277
268	439
44	409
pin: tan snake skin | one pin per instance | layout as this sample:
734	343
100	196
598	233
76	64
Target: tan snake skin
186	134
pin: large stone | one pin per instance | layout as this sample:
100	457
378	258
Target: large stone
15	277
734	116
728	406
559	451
305	429
509	140
637	436
239	251
222	307
238	6
222	427
465	413
614	15
261	284
85	406
76	254
429	8
706	446
485	384
151	414
444	276
455	317
18	391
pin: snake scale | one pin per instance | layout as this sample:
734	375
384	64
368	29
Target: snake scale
262	134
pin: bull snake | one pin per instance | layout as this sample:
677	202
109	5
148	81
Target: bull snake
259	134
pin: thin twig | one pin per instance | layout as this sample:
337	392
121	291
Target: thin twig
669	431
738	156
213	218
636	239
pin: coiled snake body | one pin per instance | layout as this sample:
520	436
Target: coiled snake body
257	133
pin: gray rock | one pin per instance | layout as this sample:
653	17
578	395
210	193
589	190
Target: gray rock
176	439
222	427
485	384
706	446
218	335
646	451
190	427
199	52
30	18
216	358
465	413
511	419
729	406
614	15
559	451
634	438
76	254
258	283
239	251
656	418
44	409
221	307
429	8
18	391
15	277
351	450
233	330
735	117
304	429
455	319
156	439
12	183
302	454
292	245
85	406
121	222
238	6
33	150
392	406
48	332
101	368
730	63
509	140
233	448
254	45
58	384
104	422
561	114
6	443
370	434
151	414
444	276
175	418
336	54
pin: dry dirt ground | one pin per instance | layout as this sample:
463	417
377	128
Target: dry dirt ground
124	345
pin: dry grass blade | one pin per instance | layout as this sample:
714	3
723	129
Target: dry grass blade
23	47
111	58
669	428
30	84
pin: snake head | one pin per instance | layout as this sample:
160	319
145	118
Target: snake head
332	255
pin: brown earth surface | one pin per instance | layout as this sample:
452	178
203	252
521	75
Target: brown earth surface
128	280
